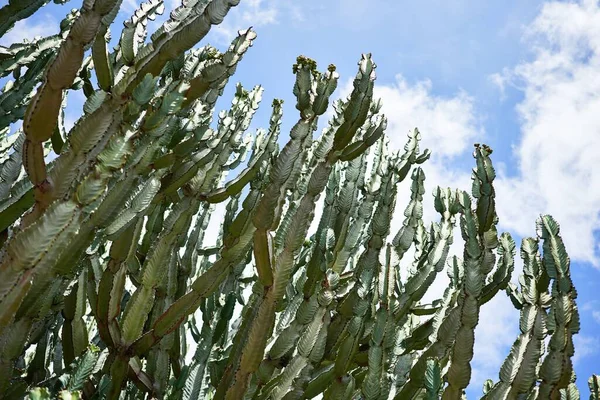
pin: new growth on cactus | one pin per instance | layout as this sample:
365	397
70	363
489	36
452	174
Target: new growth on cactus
108	289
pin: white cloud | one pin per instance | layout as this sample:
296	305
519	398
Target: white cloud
590	309
585	346
214	226
557	153
46	25
495	333
500	81
448	124
297	13
129	6
248	13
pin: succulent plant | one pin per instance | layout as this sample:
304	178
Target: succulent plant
108	288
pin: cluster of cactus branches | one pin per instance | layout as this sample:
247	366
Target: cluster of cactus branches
108	288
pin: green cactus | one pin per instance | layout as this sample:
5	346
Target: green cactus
594	385
108	288
17	10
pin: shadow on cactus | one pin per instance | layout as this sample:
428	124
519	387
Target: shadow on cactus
108	290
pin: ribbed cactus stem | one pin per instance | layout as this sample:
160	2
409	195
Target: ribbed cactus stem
557	367
480	236
519	368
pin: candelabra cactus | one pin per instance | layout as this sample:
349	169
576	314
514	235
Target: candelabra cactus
107	283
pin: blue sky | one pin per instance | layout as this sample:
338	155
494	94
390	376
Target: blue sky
521	76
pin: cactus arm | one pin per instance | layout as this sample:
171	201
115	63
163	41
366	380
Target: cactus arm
41	116
159	361
368	266
382	338
315	270
479	233
308	347
215	333
239	340
18	93
413	213
137	309
193	382
214	76
355	149
112	285
263	324
458	324
14	207
104	72
175	38
518	373
102	64
325	88
502	275
18	265
23	54
236	245
387	301
17	10
284	171
11	168
11	342
138	205
483	189
556	369
309	326
594	385
359	104
433	379
433	259
75	335
351	215
411	154
236	185
134	32
59	135
139	378
37	372
254	349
